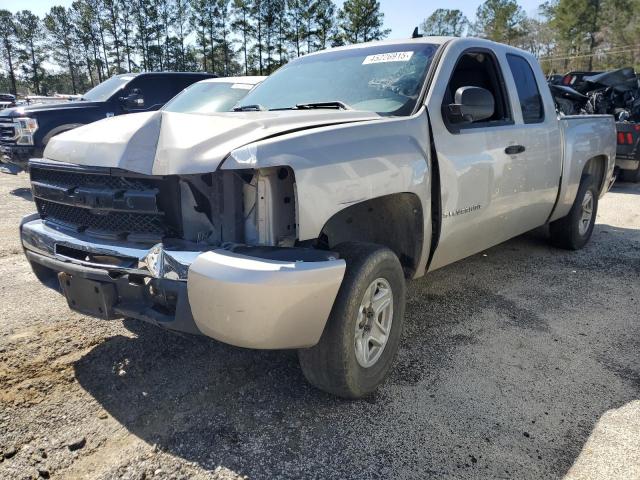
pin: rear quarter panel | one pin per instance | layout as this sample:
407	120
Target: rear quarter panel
584	137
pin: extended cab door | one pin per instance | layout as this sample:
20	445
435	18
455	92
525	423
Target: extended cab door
498	177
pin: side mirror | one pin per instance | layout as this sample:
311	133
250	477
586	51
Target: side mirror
472	104
134	100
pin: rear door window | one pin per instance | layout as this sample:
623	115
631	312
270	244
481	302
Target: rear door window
527	87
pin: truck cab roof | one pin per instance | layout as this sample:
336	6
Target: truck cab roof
472	42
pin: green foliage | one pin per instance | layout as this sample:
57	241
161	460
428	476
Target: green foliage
325	25
8	37
61	32
445	22
593	34
361	21
31	52
501	21
91	40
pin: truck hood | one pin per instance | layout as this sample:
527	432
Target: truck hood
169	143
34	110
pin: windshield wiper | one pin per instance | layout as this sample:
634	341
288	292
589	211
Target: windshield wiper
335	105
249	108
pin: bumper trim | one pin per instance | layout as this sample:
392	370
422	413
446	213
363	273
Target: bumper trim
244	299
158	261
257	303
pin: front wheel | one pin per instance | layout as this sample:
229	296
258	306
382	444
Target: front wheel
362	335
574	231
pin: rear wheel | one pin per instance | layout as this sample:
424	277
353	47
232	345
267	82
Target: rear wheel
362	335
574	231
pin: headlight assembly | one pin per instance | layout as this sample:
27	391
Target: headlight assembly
25	128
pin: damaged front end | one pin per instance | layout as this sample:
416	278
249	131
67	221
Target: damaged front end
213	253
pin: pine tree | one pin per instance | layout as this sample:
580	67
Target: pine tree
112	13
181	28
126	25
296	15
224	29
361	21
445	22
325	20
211	14
61	32
88	23
257	18
30	51
270	13
282	35
7	41
501	21
241	10
576	23
82	40
199	25
143	11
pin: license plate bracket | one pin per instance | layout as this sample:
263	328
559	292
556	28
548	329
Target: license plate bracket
89	296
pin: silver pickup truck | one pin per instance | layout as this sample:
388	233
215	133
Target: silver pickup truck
294	221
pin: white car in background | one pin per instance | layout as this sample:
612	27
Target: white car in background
212	95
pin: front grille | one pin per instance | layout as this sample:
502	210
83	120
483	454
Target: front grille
7	131
63	178
118	223
105	203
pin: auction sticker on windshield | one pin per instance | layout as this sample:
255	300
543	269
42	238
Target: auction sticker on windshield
387	57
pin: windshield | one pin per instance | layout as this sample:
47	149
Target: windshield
105	90
385	79
208	97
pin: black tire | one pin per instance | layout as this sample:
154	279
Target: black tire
632	176
331	365
566	232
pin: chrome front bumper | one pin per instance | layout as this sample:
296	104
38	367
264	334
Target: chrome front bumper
235	298
157	261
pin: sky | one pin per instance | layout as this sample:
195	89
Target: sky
401	16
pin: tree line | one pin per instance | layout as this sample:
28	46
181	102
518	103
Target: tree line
72	49
565	35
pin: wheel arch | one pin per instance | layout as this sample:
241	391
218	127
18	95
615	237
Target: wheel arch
395	221
58	130
597	168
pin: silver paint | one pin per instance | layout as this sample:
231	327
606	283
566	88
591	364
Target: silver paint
341	158
170	143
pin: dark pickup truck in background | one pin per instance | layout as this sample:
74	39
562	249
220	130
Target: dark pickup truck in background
7	100
25	130
615	92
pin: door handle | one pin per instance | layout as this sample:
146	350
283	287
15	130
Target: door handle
514	149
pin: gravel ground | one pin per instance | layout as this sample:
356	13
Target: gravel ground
520	362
